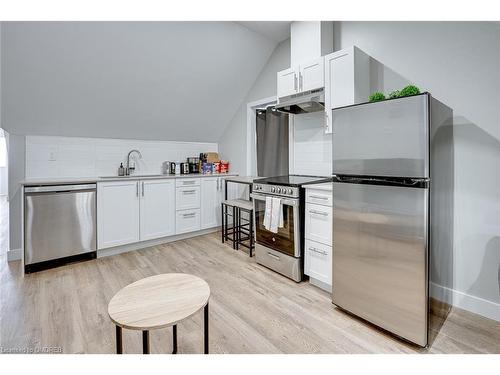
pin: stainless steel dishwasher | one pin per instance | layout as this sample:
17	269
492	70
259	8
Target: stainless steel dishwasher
59	225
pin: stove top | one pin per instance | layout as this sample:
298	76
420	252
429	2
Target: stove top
291	180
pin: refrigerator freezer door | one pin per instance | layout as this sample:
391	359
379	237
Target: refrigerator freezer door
380	256
388	138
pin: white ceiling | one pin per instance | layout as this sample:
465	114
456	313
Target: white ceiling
277	31
142	80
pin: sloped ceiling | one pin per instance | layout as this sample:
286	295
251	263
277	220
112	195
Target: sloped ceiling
145	80
274	30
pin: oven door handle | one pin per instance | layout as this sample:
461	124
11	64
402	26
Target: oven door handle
288	201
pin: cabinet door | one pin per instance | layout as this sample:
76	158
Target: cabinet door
211	197
187	221
157	218
318	261
312	75
287	82
318	223
117	213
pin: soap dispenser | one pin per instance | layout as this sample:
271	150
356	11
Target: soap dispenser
121	170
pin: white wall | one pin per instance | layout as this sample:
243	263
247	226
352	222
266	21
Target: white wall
175	81
458	63
312	148
233	143
90	157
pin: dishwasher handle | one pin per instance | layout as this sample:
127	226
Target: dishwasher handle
58	188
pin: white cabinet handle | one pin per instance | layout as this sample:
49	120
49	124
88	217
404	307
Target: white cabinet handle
142	188
318	213
188	182
295	81
300	81
137	188
318	197
189	192
322	252
189	215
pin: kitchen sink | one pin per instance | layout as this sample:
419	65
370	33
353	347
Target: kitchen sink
135	176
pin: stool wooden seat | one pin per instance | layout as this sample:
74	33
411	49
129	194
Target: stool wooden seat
158	302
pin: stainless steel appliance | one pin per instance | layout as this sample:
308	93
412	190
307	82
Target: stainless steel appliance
306	102
184	168
392	210
282	251
59	225
194	165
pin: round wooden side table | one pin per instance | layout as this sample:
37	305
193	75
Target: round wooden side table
158	302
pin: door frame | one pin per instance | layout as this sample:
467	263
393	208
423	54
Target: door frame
251	165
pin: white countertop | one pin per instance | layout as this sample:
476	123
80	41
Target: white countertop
88	180
327	186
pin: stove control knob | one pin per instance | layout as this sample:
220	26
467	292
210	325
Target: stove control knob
273	189
290	191
278	190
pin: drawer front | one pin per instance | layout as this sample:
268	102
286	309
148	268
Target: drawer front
187	221
187	197
185	182
322	197
318	261
318	223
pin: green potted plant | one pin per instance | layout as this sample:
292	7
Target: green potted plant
409	90
376	96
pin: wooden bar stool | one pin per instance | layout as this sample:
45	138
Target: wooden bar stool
158	302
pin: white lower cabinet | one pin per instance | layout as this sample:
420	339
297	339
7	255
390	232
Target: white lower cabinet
318	261
318	237
117	213
157	209
211	197
187	221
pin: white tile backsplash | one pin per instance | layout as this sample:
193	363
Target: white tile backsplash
48	156
312	148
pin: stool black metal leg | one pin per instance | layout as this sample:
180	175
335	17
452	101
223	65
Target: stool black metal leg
234	227
119	345
174	335
222	220
251	233
145	342
205	315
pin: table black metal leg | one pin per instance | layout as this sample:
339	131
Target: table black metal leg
119	345
205	315
145	342
174	335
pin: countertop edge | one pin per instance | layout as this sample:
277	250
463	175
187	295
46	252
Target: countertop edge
93	180
327	186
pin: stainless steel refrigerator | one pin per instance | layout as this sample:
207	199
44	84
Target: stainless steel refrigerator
392	210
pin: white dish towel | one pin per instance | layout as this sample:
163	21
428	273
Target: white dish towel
273	216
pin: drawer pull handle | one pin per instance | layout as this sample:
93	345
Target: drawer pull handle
273	256
189	191
188	182
189	215
322	252
318	213
318	197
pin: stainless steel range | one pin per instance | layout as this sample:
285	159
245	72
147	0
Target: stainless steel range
282	251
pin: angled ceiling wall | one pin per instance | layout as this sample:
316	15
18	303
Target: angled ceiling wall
144	80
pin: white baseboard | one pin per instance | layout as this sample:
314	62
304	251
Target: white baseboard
155	242
466	301
14	254
320	284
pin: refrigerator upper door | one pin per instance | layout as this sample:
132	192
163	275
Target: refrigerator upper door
380	256
388	138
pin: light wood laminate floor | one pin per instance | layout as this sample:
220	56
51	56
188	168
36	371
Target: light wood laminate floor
252	309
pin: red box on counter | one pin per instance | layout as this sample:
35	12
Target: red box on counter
224	167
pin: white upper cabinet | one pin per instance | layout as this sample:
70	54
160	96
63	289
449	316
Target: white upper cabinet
157	209
287	82
347	80
304	77
311	75
211	198
117	213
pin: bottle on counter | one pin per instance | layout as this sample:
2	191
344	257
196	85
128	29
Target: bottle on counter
121	170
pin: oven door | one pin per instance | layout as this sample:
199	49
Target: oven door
287	240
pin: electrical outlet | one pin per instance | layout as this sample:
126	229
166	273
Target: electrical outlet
52	156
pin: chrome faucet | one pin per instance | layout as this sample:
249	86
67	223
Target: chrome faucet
131	168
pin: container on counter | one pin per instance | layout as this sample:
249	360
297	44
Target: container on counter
224	166
206	168
216	167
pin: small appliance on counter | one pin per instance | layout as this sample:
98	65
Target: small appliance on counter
211	163
184	168
194	165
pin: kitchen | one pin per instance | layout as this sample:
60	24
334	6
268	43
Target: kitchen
290	152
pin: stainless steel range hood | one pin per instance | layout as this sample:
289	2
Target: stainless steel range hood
305	102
